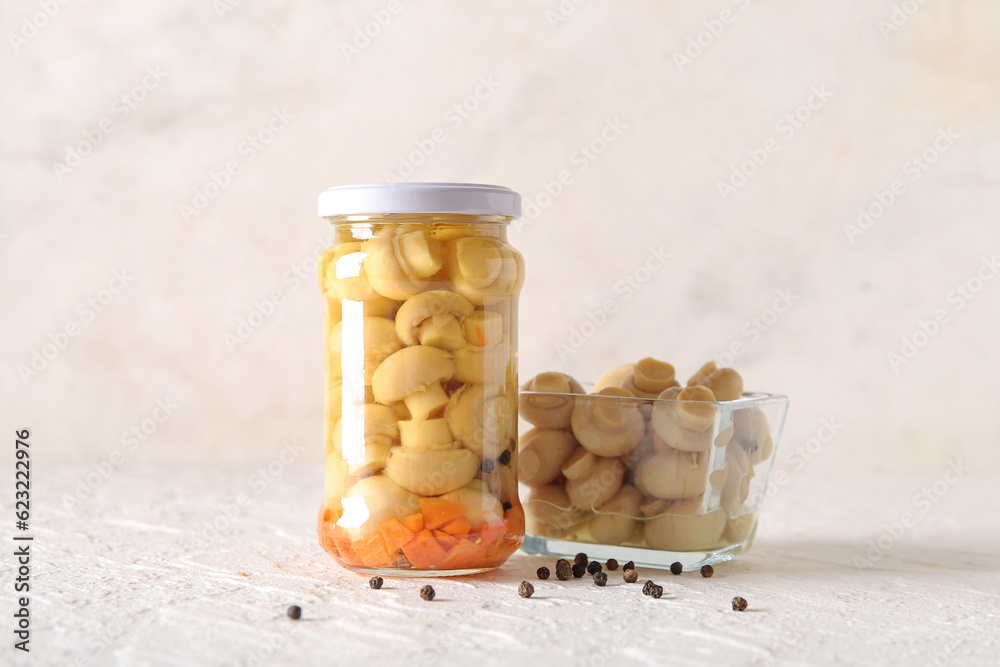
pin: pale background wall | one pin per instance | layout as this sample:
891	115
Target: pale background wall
163	337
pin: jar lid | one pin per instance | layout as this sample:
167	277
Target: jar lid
458	198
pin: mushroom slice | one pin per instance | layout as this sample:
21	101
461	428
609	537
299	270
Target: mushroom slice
481	423
433	318
607	425
414	375
480	506
542	455
343	273
685	421
380	426
484	270
482	365
617	519
649	378
614	377
752	430
685	527
431	472
550	507
595	487
739	528
549	411
378	337
371	502
426	434
398	266
671	474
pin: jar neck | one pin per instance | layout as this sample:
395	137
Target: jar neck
367	225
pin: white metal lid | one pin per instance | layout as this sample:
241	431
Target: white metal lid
459	198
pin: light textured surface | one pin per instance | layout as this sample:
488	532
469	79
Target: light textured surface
552	87
130	577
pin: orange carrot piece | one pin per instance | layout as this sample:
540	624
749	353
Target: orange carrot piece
438	512
395	535
447	541
371	551
463	555
424	551
493	533
457	527
415	522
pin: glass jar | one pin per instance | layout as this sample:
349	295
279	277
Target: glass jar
420	289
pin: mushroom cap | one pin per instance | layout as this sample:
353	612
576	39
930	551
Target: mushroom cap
336	479
752	430
372	501
542	455
480	506
410	370
617	518
484	270
739	528
550	506
607	425
685	527
549	411
613	377
421	307
649	378
431	472
398	265
595	487
707	369
343	272
725	383
379	339
685	421
482	365
380	425
483	328
672	474
480	422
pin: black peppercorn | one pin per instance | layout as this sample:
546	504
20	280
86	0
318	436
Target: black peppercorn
525	590
486	466
600	578
739	604
504	458
656	592
578	570
628	566
676	568
295	612
594	567
630	576
507	505
375	582
563	569
707	571
612	564
581	558
542	572
647	587
427	593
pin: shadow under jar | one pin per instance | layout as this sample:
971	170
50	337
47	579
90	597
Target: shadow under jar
420	289
654	481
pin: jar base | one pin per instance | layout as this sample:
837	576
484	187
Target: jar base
409	573
543	546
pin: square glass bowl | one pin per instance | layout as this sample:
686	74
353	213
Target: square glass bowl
654	481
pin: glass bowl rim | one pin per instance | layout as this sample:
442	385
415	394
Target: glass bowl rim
749	399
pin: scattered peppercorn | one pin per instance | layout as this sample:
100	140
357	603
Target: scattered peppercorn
504	458
656	592
630	576
594	567
612	564
629	566
542	572
581	558
427	593
601	578
647	587
375	582
739	604
507	505
295	611
707	571
578	570
525	590
563	569
487	465
676	568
